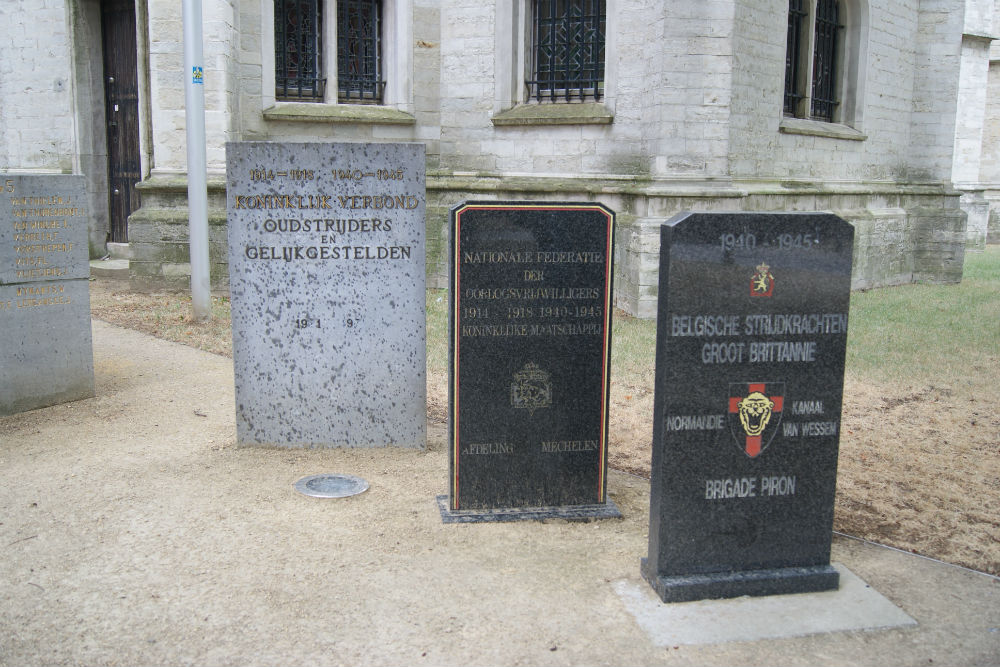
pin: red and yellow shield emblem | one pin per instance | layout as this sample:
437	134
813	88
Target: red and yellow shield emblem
762	282
755	413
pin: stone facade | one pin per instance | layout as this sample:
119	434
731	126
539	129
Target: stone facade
691	119
991	147
47	74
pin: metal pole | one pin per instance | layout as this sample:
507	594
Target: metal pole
194	114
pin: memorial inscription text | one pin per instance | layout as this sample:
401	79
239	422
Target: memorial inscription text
41	246
326	238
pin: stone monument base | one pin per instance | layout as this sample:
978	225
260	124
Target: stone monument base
717	585
569	512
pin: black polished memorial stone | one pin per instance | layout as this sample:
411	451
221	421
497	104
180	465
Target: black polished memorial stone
750	345
529	360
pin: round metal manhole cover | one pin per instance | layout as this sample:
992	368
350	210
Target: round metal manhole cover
331	486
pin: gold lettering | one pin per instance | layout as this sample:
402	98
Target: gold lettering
489	448
47	301
560	446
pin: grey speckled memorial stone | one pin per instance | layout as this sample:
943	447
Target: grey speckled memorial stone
47	356
326	264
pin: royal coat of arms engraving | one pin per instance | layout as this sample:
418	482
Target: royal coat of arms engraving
531	389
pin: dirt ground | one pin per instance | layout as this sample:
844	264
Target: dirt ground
136	532
919	465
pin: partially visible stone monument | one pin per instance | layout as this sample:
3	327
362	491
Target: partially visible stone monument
530	353
326	269
47	353
750	345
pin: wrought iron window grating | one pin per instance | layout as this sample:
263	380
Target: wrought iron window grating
359	51
820	21
793	56
824	89
568	50
298	50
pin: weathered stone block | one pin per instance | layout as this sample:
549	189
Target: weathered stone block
327	280
47	356
939	244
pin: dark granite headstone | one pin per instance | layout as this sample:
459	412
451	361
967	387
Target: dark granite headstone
529	352
47	355
750	345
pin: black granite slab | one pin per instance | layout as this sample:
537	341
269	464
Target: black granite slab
751	338
529	357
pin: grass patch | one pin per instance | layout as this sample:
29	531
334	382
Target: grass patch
633	348
167	316
437	330
930	333
909	334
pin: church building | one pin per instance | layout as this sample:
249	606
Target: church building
881	111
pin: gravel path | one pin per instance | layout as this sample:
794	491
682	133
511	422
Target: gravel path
136	532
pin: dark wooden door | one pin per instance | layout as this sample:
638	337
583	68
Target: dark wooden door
121	103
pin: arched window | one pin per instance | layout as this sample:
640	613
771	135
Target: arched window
813	59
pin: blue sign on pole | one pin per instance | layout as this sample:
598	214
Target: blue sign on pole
197	75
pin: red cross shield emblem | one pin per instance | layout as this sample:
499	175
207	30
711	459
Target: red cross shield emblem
755	413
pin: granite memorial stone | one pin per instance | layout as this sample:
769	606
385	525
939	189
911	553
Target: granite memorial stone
47	355
326	265
750	345
529	352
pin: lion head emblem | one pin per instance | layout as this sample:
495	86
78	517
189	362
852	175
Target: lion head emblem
755	410
755	413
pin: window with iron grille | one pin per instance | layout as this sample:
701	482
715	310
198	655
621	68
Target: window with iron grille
567	50
793	56
824	79
359	46
811	59
298	50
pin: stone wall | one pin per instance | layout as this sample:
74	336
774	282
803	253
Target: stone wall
690	119
158	236
990	164
663	112
36	87
897	116
166	82
968	173
903	234
50	122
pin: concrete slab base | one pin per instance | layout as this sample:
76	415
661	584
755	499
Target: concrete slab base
570	512
854	606
109	268
120	250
